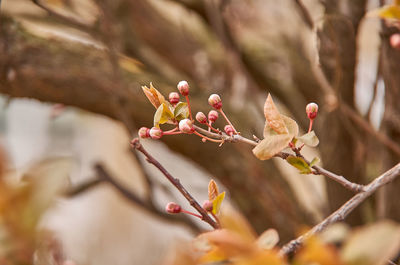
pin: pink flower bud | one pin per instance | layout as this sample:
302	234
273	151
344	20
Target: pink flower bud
395	41
207	205
312	110
229	130
144	132
183	88
201	117
173	97
212	115
215	101
155	133
173	208
186	126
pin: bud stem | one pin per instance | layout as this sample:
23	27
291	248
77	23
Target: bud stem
172	133
212	128
196	215
311	124
190	111
207	138
227	120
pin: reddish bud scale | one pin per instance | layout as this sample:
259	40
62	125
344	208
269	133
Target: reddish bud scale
229	130
395	41
186	126
173	97
144	132
208	206
183	88
173	208
312	110
201	117
212	115
215	101
156	133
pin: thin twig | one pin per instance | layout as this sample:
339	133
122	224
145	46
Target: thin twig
340	179
137	145
345	210
104	176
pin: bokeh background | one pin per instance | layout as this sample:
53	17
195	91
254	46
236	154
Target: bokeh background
71	77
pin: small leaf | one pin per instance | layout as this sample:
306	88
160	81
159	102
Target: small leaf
309	139
291	125
154	96
162	115
181	111
273	117
212	190
217	203
271	145
315	161
300	164
268	239
386	12
372	245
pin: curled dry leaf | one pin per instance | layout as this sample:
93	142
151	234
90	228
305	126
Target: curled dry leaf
309	139
154	96
212	190
273	117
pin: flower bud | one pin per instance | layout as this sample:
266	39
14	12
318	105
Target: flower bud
395	41
312	110
144	132
173	97
201	117
173	208
208	205
215	101
229	130
186	126
183	88
155	133
212	115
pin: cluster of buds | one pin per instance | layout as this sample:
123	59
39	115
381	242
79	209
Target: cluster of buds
173	98
229	130
183	88
215	101
212	116
201	117
154	133
186	126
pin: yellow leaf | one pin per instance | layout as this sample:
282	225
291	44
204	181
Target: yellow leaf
212	190
234	221
262	258
273	117
154	96
386	12
315	252
162	115
217	203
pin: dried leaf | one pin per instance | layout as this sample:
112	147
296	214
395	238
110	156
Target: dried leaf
154	96
268	239
372	245
309	139
273	117
181	111
162	115
212	190
271	145
217	203
300	164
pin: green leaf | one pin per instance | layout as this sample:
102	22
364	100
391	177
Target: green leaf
315	161
181	111
217	203
162	115
309	139
300	164
271	145
372	245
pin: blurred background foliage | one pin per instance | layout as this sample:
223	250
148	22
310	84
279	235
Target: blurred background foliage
95	55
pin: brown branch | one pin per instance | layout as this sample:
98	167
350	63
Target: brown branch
340	179
305	14
345	210
205	217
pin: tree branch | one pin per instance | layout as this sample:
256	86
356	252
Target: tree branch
345	210
205	217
